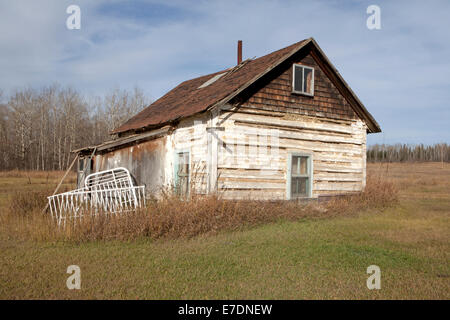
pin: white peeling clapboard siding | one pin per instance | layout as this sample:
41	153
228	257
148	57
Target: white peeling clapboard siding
249	165
190	135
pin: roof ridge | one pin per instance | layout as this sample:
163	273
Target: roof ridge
237	67
232	69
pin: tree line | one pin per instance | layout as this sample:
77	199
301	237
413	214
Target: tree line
439	152
39	127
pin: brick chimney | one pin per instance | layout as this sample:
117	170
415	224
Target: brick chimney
239	52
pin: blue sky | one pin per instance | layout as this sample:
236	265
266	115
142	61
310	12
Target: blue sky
401	72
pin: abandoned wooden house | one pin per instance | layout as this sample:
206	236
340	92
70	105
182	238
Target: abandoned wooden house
282	126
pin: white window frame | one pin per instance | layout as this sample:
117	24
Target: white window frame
289	174
303	75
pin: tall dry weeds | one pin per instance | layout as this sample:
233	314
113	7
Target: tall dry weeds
379	193
172	217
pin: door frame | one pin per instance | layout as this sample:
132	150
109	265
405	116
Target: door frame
175	168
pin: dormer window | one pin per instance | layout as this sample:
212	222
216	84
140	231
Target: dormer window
303	80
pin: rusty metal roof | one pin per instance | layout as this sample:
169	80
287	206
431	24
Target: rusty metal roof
188	99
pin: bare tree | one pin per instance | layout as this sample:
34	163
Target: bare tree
40	127
405	153
120	105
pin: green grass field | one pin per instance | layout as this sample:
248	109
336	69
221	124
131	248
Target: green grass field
310	259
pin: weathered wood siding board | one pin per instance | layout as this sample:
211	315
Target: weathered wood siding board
145	162
287	140
245	194
364	158
255	150
291	121
249	166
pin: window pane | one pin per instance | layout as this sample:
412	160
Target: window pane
307	85
295	169
299	165
299	186
303	165
183	164
180	163
298	78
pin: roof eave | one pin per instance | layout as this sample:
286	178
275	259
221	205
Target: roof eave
118	143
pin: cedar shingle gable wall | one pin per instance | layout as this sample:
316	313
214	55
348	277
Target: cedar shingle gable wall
263	81
274	93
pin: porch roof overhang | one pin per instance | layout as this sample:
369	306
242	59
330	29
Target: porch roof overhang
124	141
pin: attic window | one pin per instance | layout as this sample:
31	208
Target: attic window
212	80
303	80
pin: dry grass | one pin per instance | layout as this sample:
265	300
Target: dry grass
172	217
323	257
381	192
38	175
417	180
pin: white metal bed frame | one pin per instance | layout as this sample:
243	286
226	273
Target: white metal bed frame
105	192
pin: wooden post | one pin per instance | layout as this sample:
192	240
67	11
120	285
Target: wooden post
60	183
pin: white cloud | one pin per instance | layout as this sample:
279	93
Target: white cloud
400	72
